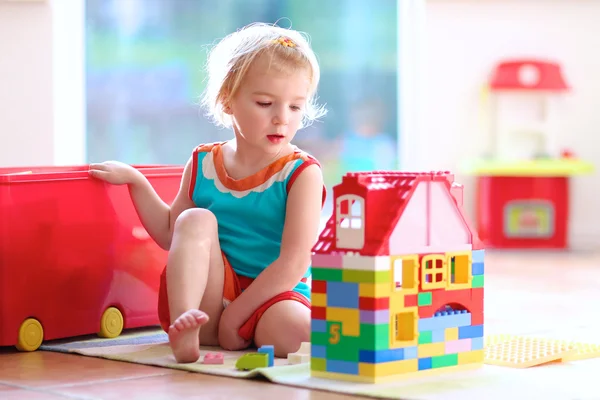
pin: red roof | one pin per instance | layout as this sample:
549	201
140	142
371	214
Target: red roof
528	74
386	196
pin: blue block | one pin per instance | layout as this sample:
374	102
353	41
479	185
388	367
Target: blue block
318	351
445	319
318	325
270	350
424	363
477	343
477	269
410	353
342	294
438	336
342	367
470	332
477	256
380	356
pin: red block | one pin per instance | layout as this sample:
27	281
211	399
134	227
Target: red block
426	311
319	286
410	300
371	304
452	297
477	296
319	313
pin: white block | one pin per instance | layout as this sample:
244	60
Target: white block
366	263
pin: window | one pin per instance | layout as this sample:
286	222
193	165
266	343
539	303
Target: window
404	328
459	270
433	271
161	53
405	274
350	228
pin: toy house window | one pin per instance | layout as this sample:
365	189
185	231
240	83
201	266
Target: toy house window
405	326
405	274
350	214
433	271
459	270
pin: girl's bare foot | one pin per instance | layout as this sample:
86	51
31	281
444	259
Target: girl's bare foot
184	336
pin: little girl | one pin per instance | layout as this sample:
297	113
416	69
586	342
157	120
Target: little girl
240	231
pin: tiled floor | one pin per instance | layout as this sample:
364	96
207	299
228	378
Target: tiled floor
548	292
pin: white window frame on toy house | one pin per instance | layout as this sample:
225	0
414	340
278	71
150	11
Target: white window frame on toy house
350	227
437	268
405	274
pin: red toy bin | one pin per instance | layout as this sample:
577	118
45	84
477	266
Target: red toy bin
522	212
74	256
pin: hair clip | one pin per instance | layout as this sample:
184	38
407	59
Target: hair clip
285	42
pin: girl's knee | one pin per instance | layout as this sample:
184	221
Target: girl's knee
196	220
284	325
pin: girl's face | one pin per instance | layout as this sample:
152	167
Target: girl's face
267	109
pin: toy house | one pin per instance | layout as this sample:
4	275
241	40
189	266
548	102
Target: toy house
397	280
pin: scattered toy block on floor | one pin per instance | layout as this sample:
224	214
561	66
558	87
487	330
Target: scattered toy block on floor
301	356
250	361
270	350
213	358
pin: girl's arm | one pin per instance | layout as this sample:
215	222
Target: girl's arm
300	232
157	217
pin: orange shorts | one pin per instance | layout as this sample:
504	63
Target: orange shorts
232	288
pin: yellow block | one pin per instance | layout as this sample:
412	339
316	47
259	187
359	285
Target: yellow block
319	300
431	350
396	377
350	319
374	290
388	368
396	302
474	356
451	334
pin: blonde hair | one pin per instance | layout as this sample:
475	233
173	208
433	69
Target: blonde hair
229	61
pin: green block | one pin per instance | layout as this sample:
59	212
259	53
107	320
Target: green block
447	360
318	364
425	337
357	276
374	337
343	348
477	281
327	274
424	299
320	338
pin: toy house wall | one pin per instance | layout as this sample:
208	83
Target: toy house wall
461	42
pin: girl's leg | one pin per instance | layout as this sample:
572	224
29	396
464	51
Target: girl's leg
195	278
285	325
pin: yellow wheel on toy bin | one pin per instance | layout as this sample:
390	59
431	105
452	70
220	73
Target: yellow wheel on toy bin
111	324
31	335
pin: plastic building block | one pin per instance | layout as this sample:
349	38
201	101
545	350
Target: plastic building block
74	255
525	352
406	297
582	351
301	356
270	350
251	361
213	358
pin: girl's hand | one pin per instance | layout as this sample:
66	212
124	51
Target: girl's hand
229	339
114	172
